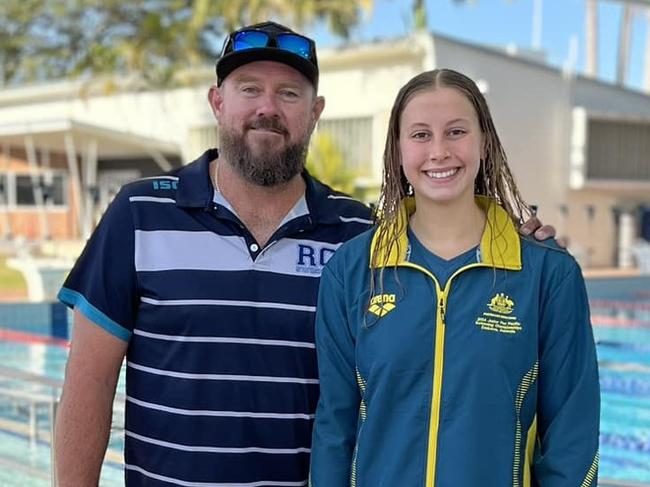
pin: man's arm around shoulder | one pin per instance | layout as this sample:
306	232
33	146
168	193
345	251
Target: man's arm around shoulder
84	415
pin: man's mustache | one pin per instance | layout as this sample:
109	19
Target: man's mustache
267	123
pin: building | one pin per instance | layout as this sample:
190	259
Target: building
579	147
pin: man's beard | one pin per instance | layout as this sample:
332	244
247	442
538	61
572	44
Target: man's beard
271	168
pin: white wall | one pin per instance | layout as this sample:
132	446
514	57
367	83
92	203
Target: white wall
600	97
530	107
358	84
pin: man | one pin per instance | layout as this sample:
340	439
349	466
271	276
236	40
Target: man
209	288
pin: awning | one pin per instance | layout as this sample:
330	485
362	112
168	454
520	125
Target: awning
85	143
111	143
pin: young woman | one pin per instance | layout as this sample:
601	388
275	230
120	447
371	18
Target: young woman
451	350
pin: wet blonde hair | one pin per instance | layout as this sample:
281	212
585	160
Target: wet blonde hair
494	178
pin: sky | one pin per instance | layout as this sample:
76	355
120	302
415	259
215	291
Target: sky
501	23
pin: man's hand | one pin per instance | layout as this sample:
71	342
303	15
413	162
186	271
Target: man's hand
533	226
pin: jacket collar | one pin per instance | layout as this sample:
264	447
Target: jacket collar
500	246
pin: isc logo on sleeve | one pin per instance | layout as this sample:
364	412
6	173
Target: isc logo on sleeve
163	184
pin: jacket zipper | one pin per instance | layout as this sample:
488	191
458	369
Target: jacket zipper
436	395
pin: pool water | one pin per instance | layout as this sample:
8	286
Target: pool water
621	319
25	462
622	333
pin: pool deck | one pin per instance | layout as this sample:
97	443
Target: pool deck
13	296
610	272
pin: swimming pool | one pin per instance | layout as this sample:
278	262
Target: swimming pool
621	318
25	413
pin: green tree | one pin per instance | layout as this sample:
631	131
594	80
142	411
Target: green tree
419	15
154	39
15	37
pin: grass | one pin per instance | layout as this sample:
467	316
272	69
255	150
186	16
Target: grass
11	280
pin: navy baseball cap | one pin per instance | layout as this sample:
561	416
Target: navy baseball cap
268	41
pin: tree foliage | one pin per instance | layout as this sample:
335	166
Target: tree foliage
326	162
153	39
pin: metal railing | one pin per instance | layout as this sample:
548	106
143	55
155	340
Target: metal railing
30	403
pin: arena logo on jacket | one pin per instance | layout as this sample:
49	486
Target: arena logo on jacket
382	304
499	316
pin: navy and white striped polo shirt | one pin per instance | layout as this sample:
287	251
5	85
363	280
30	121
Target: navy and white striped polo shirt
222	379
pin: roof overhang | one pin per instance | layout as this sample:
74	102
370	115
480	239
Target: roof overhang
111	144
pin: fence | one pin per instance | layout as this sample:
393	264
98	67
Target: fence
28	405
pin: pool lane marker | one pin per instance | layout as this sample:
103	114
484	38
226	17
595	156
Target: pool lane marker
30	338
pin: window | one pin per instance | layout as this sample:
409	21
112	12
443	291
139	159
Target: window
52	187
4	190
353	136
618	150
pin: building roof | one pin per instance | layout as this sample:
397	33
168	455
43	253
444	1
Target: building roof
54	135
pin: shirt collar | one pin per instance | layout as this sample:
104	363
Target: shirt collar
195	190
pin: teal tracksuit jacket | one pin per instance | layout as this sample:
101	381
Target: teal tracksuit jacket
487	380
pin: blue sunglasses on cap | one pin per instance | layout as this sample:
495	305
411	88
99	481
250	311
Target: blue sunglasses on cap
252	39
271	42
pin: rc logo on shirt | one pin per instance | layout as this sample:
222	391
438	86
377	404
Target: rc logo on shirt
311	258
382	304
500	317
